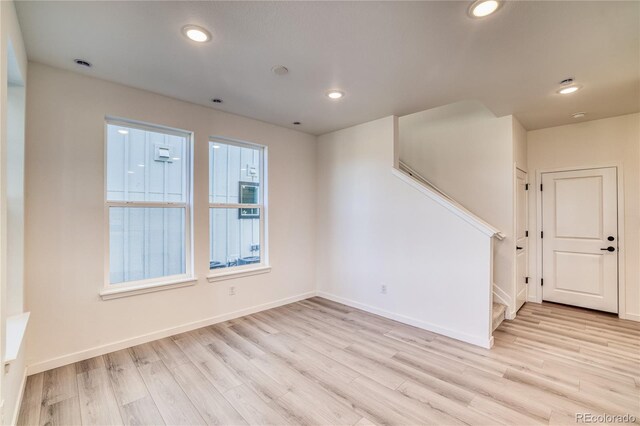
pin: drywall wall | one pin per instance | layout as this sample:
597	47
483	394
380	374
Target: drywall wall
375	230
65	223
606	142
467	152
519	145
13	65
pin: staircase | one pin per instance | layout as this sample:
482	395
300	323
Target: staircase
413	178
498	311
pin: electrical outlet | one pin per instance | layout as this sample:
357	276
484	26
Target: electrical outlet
232	291
383	289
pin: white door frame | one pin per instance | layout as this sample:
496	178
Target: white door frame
535	283
515	236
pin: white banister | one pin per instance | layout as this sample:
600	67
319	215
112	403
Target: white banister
410	176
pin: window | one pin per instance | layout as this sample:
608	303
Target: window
236	206
147	205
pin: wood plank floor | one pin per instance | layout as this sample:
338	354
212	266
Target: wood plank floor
319	362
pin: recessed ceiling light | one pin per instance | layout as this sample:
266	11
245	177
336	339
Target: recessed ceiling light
335	94
569	89
482	8
216	100
280	70
123	131
82	63
578	114
196	33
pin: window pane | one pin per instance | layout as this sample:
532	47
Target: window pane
146	243
234	174
234	241
145	166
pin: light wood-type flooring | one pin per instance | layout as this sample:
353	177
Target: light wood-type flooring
320	362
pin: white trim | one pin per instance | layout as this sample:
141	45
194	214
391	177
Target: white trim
502	297
235	206
16	409
123	344
512	309
15	330
147	204
483	341
118	292
238	273
630	317
449	204
622	311
143	125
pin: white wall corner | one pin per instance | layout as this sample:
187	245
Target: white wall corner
396	142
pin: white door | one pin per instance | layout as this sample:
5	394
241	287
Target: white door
522	234
580	238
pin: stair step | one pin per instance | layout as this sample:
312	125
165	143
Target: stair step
498	312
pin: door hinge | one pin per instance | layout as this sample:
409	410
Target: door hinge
541	234
526	280
526	186
526	233
540	187
541	281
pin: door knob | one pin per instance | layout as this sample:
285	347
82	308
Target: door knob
610	238
518	248
610	248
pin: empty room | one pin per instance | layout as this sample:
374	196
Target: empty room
319	212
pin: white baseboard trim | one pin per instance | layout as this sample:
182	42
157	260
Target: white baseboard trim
123	344
630	317
485	342
16	410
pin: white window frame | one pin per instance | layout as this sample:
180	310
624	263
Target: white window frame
129	288
255	268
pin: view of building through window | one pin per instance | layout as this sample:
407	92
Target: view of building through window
147	202
235	204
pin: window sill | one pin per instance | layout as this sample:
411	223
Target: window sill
221	276
16	328
117	293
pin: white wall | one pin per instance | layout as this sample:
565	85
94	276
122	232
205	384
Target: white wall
13	69
65	227
610	141
519	145
373	229
468	153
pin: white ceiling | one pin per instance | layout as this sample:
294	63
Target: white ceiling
388	57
